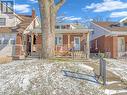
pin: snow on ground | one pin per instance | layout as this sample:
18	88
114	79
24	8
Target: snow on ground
37	77
118	67
111	92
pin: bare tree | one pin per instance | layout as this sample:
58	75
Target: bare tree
48	10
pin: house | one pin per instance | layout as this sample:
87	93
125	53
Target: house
12	28
68	36
109	38
21	35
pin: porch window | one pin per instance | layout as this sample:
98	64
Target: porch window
58	40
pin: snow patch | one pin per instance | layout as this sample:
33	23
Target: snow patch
110	92
112	82
85	66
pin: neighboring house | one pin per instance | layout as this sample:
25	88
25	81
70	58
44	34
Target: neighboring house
109	37
68	36
12	29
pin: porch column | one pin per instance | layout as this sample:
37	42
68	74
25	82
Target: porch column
88	45
69	41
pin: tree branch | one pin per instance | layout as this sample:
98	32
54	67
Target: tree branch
59	4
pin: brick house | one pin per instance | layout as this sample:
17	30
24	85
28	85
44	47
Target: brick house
109	38
67	36
12	29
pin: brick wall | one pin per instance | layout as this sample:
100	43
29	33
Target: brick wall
82	37
105	44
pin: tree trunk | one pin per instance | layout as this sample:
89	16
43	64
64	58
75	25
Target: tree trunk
48	11
45	20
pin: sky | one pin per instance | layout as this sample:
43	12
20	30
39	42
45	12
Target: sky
80	10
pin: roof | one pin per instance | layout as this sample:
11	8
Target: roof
76	25
124	19
112	26
26	20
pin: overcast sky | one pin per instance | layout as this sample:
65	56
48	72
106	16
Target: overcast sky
81	9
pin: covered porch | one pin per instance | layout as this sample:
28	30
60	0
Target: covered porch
72	43
68	42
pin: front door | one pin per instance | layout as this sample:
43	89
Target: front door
76	43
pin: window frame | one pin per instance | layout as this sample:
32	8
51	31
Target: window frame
59	40
4	21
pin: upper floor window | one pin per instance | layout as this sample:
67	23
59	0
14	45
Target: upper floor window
7	7
57	27
63	27
2	21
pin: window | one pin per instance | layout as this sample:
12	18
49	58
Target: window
12	42
58	40
5	41
7	7
57	27
2	21
63	27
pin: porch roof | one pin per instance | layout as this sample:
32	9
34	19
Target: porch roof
62	31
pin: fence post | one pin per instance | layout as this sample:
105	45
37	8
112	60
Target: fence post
103	70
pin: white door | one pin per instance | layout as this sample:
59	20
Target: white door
76	43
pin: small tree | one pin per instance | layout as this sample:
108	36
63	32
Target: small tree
48	11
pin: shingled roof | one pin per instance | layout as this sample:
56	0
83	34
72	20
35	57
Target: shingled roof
112	26
25	22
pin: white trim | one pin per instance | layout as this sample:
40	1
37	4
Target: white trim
123	19
79	47
26	30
